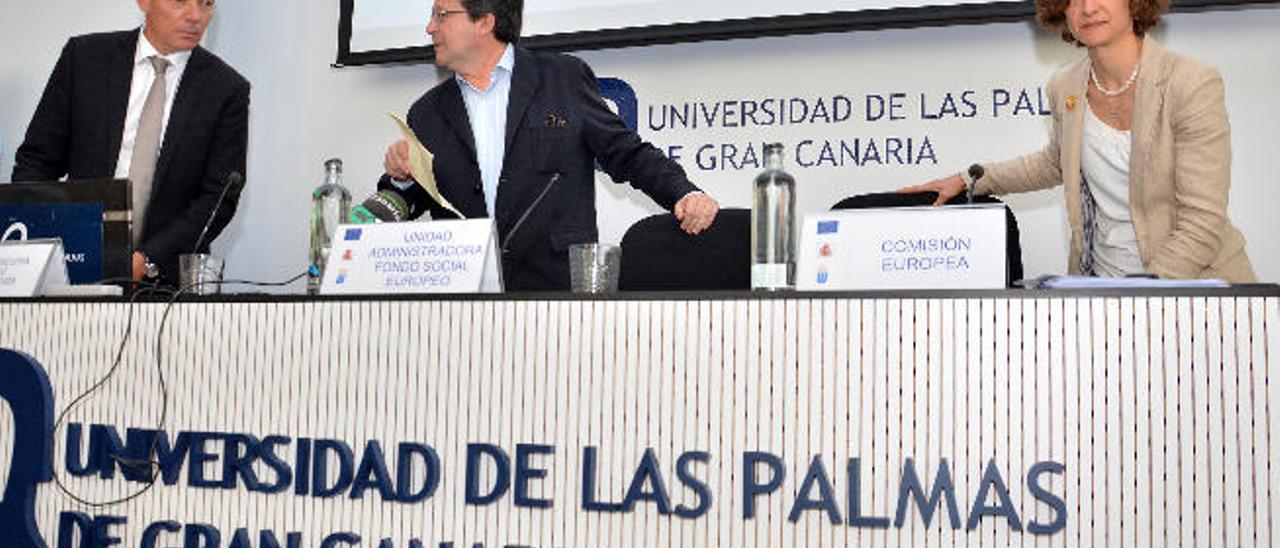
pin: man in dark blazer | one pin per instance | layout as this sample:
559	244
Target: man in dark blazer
88	123
516	136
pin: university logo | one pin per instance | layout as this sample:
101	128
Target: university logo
24	386
623	98
17	230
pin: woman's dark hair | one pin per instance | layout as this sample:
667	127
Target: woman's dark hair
1052	14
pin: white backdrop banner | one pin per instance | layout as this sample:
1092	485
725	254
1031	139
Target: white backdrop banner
876	111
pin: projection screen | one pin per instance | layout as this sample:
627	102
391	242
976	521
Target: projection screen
394	31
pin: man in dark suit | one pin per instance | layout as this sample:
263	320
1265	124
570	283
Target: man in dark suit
156	108
516	135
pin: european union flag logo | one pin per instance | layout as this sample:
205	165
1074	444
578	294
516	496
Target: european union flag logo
353	234
828	227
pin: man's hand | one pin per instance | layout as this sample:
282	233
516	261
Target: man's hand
946	187
139	266
696	211
396	163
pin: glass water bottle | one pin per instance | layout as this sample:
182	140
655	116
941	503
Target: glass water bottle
773	231
330	206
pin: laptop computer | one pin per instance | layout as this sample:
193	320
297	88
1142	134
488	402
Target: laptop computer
93	219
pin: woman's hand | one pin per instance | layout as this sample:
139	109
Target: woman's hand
947	188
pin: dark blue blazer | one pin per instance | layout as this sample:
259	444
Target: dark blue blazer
558	127
78	125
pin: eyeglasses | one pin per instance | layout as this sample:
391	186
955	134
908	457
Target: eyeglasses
439	16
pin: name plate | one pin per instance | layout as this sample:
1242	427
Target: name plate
29	268
951	247
427	257
442	256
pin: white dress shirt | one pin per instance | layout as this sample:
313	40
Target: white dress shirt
487	111
144	75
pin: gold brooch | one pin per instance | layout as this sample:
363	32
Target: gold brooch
1071	102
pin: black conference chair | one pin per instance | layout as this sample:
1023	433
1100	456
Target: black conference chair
658	256
1013	247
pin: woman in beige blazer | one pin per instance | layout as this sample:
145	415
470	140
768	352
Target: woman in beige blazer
1171	110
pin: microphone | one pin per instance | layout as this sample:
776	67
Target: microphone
385	206
525	216
975	172
233	179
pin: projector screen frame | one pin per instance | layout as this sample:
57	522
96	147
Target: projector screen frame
733	29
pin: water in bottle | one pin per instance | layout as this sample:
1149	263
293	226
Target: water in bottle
773	231
330	207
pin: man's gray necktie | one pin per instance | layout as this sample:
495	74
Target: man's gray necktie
146	147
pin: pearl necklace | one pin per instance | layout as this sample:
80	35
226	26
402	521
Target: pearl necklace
1109	93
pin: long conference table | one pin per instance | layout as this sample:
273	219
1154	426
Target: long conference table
993	418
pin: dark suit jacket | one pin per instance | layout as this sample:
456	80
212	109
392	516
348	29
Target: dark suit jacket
77	128
557	128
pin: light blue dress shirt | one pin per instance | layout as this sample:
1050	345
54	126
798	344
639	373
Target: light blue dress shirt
487	111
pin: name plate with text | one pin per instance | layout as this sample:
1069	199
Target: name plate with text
952	247
426	257
29	268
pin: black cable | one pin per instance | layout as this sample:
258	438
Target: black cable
146	288
251	282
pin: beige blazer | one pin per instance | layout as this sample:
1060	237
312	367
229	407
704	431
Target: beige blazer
1179	167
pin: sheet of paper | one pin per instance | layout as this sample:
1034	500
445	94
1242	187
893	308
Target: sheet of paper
420	165
1138	282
